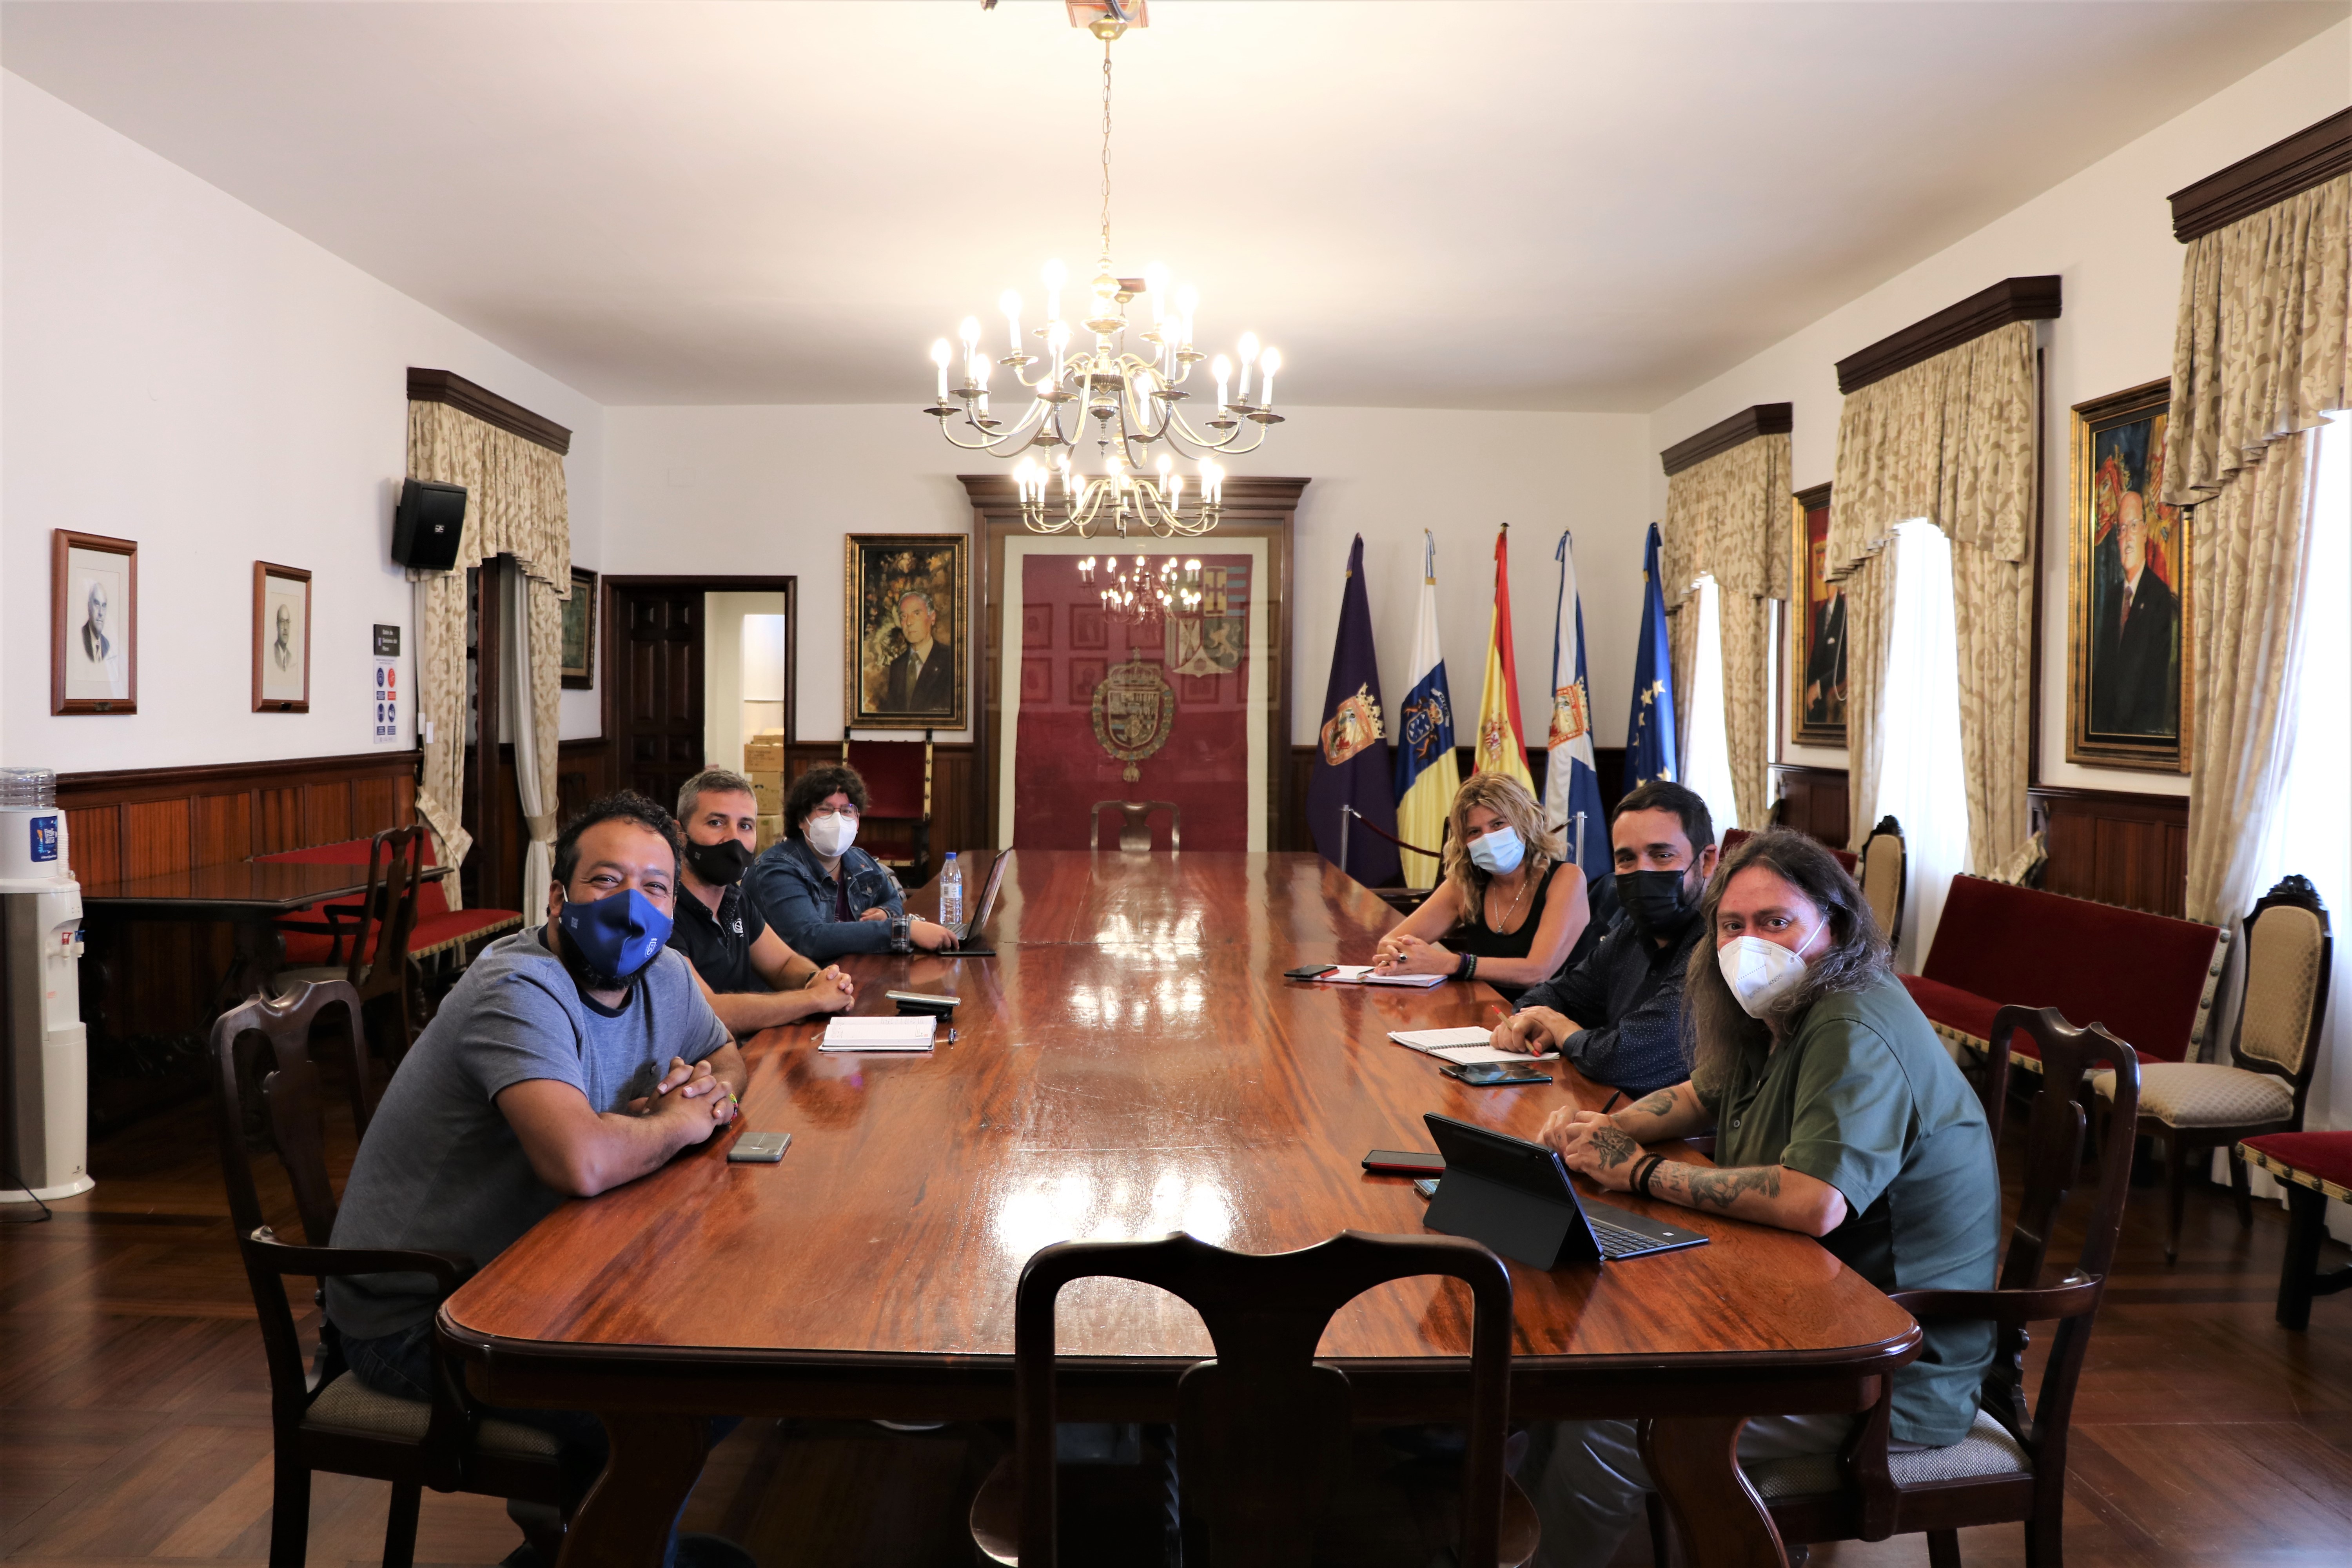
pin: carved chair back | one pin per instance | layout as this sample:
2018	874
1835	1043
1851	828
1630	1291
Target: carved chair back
2290	953
1262	1431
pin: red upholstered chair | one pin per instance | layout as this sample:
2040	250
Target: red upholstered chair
897	775
444	931
380	920
438	930
2190	1108
2315	1167
1732	837
2149	979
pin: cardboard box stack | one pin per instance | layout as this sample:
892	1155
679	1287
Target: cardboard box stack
763	765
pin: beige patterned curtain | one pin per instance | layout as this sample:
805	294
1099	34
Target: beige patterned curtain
2259	356
515	505
1729	516
1949	439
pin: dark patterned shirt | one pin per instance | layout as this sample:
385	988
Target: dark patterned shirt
1628	995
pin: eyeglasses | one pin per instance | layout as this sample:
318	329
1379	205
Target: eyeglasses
823	812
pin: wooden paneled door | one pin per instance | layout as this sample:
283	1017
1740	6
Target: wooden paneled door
656	678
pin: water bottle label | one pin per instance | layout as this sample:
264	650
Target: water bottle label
45	837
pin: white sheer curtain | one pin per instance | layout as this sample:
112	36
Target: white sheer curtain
2310	833
1920	781
1708	768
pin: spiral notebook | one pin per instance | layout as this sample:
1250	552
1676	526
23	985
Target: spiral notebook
1363	974
900	1033
1463	1047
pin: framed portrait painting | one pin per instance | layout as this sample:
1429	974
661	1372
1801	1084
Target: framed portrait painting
580	632
2129	691
93	624
281	638
908	655
1816	656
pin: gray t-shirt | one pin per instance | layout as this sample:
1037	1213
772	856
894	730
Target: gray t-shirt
440	1170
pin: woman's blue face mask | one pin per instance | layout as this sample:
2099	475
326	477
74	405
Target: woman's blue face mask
1498	852
614	937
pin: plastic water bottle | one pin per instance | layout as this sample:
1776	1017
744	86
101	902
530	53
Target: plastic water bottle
951	893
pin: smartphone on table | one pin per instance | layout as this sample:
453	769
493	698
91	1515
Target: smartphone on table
1403	1162
1496	1075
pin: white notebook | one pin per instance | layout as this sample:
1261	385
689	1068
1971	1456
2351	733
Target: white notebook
1463	1046
871	1032
1363	975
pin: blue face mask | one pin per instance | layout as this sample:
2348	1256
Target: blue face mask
1498	852
614	937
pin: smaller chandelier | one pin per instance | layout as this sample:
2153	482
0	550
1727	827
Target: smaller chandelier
1143	594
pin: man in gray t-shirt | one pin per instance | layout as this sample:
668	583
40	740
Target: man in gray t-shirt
568	1061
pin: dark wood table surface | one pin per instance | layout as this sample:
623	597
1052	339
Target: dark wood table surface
236	890
1131	1063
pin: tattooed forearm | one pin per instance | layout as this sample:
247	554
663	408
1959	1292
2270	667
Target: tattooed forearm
1657	1106
1721	1189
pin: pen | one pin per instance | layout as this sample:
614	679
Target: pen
1614	1096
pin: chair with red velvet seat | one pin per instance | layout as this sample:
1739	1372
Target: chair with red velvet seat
2188	1108
2315	1167
2012	1466
897	777
1732	838
377	927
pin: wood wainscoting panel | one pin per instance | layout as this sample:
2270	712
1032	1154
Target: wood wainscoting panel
157	837
1819	802
2117	847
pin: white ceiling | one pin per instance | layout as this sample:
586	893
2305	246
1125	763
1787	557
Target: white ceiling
1509	204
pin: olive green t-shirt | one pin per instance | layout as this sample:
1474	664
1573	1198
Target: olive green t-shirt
1864	1096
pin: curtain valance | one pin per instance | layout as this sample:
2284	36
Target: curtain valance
515	499
1729	516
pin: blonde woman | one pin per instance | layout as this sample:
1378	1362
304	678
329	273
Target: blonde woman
1508	908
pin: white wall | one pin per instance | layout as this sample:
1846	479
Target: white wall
179	369
774	488
2107	233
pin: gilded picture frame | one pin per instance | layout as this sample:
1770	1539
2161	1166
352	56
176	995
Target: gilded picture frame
579	654
906	631
1815	655
2131	680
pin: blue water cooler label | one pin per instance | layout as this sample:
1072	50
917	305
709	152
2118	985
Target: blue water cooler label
45	837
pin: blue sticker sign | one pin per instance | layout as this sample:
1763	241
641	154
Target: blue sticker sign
45	837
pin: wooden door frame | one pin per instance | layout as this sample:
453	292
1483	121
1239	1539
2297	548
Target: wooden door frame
608	635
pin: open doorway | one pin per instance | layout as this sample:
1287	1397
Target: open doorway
700	674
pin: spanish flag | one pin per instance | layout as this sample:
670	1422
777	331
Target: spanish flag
1499	747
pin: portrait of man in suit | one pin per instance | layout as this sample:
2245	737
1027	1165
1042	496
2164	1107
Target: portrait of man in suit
2136	655
1825	650
96	646
922	679
282	651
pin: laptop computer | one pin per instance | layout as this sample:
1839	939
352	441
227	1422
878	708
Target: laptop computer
1516	1196
969	943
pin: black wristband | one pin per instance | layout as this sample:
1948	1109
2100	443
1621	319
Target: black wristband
1466	967
1644	1171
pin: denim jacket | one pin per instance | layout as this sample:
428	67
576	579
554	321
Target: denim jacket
789	887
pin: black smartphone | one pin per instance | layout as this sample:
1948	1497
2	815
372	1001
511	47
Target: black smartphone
1309	972
1400	1163
1496	1075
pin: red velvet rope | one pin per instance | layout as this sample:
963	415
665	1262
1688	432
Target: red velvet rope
1392	838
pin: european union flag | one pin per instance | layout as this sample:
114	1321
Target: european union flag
1649	730
1351	760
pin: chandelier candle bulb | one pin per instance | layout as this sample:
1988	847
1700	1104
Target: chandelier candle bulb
1009	303
940	355
1223	369
1269	364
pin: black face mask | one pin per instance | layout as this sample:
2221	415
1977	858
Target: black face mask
722	864
1658	902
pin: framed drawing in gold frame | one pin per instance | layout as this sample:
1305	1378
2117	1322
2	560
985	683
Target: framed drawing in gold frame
908	632
2129	680
1815	656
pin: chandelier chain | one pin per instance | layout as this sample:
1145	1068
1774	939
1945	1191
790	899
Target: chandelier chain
1106	153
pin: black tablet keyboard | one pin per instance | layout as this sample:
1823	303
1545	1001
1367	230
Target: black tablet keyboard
1616	1241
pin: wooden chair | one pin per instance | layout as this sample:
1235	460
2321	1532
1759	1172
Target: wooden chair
2315	1167
1883	862
375	932
2188	1108
1262	1431
1135	824
898	797
2012	1467
331	1421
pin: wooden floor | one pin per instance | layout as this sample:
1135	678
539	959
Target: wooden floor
134	1411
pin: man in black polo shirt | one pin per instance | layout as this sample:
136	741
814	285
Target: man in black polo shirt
752	980
1618	1016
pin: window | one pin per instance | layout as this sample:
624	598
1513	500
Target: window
2309	832
1708	769
1920	784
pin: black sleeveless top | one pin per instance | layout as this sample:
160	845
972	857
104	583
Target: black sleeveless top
1473	935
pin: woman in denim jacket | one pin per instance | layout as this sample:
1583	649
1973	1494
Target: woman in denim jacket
823	895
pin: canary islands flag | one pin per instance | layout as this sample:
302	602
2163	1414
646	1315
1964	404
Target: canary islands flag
1571	784
1501	748
1650	732
1426	773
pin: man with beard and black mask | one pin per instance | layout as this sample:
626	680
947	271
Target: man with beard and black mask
1617	1017
568	1060
752	979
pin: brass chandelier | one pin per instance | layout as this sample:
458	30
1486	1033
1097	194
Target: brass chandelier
1135	400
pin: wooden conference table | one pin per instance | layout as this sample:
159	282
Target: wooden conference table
1130	1063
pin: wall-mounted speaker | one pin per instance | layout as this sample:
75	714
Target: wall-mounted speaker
426	528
